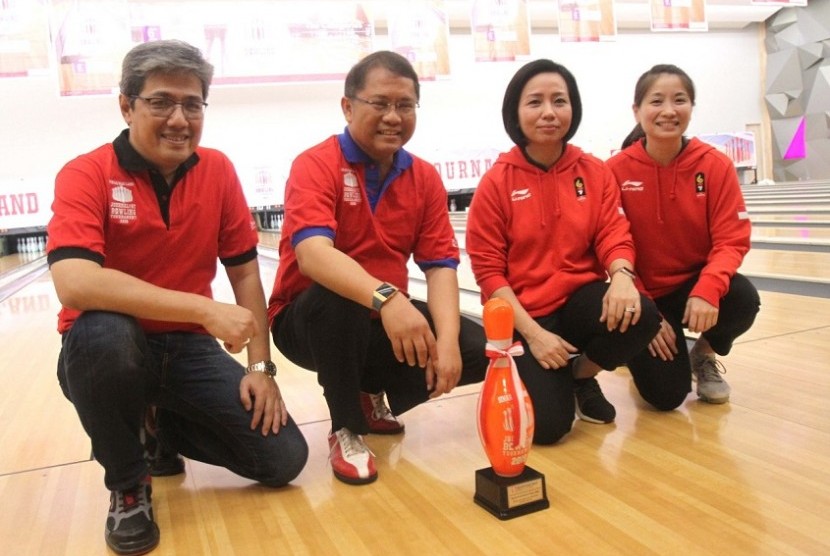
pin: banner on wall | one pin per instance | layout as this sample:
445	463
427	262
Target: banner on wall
802	3
247	41
25	204
461	169
587	20
738	146
501	30
420	31
24	40
90	37
678	15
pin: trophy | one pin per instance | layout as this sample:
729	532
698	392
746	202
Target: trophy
508	488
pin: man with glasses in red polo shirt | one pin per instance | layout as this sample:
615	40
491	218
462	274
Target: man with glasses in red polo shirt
357	206
137	229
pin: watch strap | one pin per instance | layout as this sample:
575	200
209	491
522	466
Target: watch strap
266	367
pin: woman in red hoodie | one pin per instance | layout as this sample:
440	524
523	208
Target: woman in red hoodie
691	231
545	231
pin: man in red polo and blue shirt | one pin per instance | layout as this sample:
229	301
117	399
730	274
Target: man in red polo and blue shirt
137	229
357	206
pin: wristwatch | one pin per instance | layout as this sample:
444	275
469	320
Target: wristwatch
266	367
382	294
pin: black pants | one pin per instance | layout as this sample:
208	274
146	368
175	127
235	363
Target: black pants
665	384
552	391
350	352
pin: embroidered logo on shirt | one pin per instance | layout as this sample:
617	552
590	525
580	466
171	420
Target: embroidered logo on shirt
631	185
351	189
579	187
519	195
122	207
700	183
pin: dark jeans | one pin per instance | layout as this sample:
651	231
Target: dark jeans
665	384
350	352
577	322
111	371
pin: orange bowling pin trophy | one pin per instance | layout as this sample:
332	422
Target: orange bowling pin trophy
505	425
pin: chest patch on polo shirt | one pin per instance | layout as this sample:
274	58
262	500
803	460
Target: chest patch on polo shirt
351	187
122	207
579	188
700	183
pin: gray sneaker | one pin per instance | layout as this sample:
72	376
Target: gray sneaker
711	387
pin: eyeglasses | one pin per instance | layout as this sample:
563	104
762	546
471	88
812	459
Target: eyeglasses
403	108
163	107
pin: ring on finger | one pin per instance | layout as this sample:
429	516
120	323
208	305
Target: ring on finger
631	309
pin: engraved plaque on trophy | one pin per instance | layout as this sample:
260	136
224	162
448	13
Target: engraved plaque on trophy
509	488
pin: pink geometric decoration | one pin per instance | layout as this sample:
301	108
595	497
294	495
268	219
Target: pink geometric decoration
798	146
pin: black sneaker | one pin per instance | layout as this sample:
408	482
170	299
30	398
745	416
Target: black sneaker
130	526
591	405
160	462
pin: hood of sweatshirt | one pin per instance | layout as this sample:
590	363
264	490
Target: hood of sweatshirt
666	177
551	196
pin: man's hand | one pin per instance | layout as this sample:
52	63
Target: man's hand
232	324
260	393
408	330
443	373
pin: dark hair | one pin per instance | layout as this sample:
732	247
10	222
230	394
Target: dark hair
164	57
513	93
645	82
392	61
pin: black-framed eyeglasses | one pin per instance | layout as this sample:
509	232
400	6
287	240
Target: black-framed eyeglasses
163	107
403	107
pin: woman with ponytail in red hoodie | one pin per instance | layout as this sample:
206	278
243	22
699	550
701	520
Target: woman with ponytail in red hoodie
691	231
545	231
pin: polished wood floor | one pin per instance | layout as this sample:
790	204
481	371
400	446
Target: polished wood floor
751	477
748	477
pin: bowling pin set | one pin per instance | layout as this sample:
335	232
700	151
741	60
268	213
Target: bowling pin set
31	245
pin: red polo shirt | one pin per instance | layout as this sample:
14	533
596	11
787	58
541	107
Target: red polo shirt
112	208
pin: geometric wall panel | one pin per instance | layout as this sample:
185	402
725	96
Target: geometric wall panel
797	91
809	54
783	71
819	91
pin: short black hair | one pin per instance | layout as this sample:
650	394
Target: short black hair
392	61
513	93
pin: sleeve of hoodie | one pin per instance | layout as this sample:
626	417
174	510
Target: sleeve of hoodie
612	238
487	238
729	230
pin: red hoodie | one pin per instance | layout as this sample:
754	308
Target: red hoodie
686	218
545	233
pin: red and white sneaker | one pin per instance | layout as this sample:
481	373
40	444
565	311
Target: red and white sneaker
378	415
351	460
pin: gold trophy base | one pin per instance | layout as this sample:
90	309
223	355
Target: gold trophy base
509	497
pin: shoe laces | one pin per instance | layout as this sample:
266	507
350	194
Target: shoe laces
380	411
130	500
588	388
351	444
709	369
